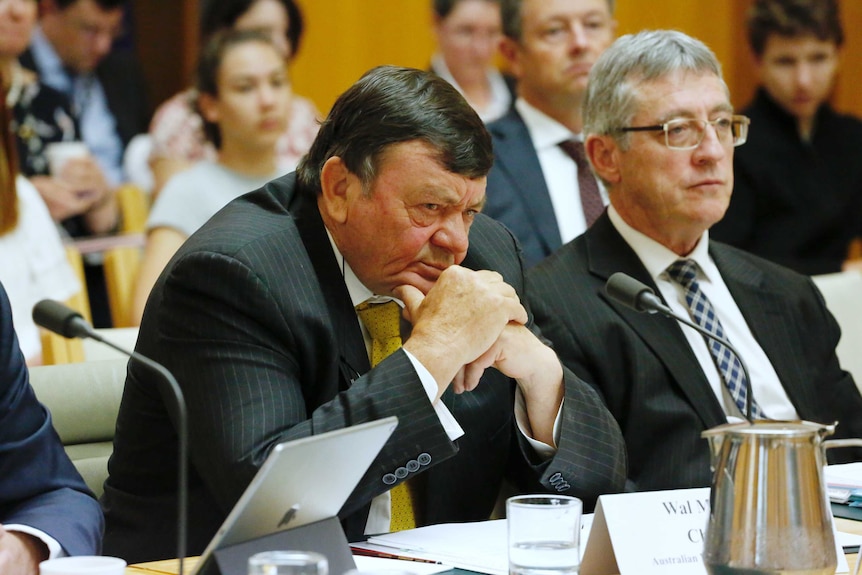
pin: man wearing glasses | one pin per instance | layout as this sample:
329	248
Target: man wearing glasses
660	133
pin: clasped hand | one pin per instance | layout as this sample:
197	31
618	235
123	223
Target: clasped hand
469	321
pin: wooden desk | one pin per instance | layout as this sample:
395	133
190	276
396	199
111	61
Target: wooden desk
171	566
166	567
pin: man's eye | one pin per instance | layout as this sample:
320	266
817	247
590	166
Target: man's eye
431	207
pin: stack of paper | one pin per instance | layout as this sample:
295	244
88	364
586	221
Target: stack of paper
479	546
844	485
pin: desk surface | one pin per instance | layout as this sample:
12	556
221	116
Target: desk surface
171	566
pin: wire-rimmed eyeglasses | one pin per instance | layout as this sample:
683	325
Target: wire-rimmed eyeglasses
688	133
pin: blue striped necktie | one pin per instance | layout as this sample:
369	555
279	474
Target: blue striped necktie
684	272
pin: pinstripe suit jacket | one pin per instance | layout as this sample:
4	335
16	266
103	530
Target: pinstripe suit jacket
253	317
647	373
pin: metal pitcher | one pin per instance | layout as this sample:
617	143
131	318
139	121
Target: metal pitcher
769	508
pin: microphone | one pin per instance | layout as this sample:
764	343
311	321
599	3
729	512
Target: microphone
640	297
62	320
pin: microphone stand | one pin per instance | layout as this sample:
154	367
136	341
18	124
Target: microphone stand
638	296
182	435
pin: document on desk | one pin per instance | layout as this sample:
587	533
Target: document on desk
479	546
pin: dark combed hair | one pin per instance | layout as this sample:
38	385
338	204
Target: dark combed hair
209	63
793	18
103	4
391	105
218	15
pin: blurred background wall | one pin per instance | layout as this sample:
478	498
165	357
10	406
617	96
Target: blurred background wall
344	38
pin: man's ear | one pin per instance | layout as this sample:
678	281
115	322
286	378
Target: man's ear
208	106
603	152
509	49
335	183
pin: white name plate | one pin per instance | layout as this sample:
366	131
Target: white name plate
653	532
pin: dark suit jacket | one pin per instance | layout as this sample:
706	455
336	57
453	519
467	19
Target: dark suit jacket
517	193
125	91
646	371
797	203
39	486
253	317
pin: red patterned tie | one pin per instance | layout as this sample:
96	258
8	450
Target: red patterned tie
591	198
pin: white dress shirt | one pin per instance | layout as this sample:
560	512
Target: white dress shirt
559	169
765	384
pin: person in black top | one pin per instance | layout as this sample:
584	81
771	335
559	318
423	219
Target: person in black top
797	197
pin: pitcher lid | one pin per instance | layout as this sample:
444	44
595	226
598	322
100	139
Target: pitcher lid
777	428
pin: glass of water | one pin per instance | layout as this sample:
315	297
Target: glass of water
544	534
288	563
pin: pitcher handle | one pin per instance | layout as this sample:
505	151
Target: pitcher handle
829	444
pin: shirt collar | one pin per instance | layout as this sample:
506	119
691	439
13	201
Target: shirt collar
656	257
358	291
500	96
545	131
48	62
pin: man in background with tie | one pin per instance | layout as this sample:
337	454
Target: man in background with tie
541	186
660	133
280	319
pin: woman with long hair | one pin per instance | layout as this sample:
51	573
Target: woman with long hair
243	99
178	139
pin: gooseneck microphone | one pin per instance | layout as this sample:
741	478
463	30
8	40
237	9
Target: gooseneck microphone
640	297
60	319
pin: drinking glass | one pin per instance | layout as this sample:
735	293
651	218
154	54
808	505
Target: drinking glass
544	534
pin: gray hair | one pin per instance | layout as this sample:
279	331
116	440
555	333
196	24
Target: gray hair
511	14
611	98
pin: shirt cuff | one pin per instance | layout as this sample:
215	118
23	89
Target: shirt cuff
543	450
447	420
54	548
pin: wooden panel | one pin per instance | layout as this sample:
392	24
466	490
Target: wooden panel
344	38
848	97
166	41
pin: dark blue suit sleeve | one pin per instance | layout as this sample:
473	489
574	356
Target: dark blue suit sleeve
39	485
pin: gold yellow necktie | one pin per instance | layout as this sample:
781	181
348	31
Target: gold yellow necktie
383	322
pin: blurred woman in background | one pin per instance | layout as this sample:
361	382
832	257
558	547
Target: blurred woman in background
468	34
33	263
244	100
178	139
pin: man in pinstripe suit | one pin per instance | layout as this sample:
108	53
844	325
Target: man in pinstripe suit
255	316
660	133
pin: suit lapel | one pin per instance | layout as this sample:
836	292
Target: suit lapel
608	253
351	346
516	156
763	310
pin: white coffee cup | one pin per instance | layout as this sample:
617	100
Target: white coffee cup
83	565
58	153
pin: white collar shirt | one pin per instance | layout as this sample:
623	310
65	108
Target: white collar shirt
559	169
767	388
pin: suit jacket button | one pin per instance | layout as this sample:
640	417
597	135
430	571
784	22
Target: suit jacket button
412	465
424	459
389	479
401	472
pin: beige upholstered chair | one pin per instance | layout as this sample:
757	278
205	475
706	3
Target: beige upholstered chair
843	295
84	400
